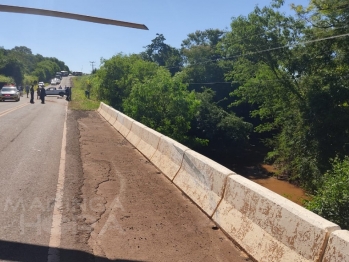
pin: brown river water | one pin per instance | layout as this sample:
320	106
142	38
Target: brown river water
252	167
282	187
263	175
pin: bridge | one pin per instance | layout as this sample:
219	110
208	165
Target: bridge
100	186
267	226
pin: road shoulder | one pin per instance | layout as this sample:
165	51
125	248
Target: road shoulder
127	209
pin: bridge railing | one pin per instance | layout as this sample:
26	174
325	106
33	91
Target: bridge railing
266	225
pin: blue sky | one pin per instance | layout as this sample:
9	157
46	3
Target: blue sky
77	43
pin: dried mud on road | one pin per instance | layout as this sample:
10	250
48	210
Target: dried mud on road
119	207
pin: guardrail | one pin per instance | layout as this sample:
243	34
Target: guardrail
266	225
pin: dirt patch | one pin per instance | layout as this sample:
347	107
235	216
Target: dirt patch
131	211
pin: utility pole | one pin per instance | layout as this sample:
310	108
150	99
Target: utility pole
92	64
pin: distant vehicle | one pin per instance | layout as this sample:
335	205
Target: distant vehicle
64	73
41	84
54	91
9	93
77	73
55	81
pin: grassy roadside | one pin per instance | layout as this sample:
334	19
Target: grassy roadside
79	100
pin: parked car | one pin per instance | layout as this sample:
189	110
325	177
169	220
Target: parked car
9	93
54	91
41	84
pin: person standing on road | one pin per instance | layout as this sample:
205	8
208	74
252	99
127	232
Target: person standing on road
42	95
21	90
67	93
27	90
32	95
38	92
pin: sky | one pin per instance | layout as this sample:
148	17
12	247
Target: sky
78	43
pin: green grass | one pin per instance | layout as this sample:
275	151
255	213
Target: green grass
80	101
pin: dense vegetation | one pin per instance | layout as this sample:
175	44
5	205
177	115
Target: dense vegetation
19	66
271	79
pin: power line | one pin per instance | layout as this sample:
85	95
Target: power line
268	50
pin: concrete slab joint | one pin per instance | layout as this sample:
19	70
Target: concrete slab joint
337	249
149	142
169	156
203	180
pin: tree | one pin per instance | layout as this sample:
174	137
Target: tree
331	200
299	90
13	68
164	104
201	56
46	69
117	75
225	131
163	54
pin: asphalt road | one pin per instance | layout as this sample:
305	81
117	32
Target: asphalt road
30	149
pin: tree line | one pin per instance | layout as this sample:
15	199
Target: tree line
21	67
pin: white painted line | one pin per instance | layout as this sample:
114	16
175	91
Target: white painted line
55	236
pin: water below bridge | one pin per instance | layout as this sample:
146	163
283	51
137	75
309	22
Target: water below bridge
251	166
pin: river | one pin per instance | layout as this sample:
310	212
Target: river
251	166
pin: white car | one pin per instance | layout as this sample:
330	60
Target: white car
9	93
41	84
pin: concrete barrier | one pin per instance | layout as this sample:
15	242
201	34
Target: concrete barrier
337	249
104	110
109	113
118	123
134	136
203	180
168	156
149	142
113	116
267	226
124	124
270	227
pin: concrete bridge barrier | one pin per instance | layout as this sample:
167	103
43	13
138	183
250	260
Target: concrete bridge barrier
203	180
149	142
337	249
104	109
169	156
123	124
270	227
135	134
113	116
